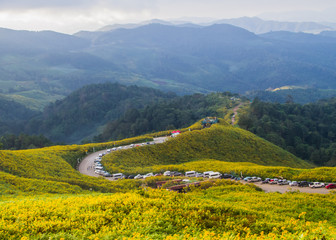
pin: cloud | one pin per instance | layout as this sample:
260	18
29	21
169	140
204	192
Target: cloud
74	15
75	4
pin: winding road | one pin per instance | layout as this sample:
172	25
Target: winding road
86	167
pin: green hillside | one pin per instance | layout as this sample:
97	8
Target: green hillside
52	170
42	196
220	142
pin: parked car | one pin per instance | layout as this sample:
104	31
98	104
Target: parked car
266	180
117	176
130	177
148	175
207	174
176	174
247	178
100	155
215	175
226	175
294	183
316	185
99	171
303	184
283	182
199	175
167	173
190	174
107	174
331	186
139	176
254	179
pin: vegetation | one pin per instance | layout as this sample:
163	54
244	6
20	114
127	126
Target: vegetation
23	141
226	210
221	142
238	169
308	131
52	170
83	112
295	95
176	113
13	116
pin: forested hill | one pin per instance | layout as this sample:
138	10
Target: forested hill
81	114
308	131
175	113
293	94
13	116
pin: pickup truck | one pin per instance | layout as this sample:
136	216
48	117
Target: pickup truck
316	185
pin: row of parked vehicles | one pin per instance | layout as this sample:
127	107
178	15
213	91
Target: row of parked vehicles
290	183
99	168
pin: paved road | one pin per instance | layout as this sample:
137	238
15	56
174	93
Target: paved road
86	166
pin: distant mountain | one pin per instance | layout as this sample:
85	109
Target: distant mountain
328	33
184	59
133	25
46	41
257	25
83	112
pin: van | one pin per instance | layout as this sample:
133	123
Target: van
215	175
190	174
117	176
206	174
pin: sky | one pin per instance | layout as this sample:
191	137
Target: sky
70	16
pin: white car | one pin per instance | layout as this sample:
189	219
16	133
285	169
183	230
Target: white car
139	176
294	183
148	175
167	173
316	185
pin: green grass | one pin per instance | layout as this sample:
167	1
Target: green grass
220	142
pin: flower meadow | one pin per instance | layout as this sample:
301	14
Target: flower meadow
218	210
42	196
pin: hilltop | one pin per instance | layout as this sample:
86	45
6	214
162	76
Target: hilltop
220	142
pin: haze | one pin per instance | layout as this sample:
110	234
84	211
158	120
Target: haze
75	15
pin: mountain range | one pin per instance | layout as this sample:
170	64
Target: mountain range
184	58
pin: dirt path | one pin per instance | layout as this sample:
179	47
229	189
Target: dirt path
235	109
285	188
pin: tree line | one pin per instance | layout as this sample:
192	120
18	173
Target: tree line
308	131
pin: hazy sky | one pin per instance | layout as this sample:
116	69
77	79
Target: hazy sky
70	16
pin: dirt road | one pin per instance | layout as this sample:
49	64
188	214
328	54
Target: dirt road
286	188
235	109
